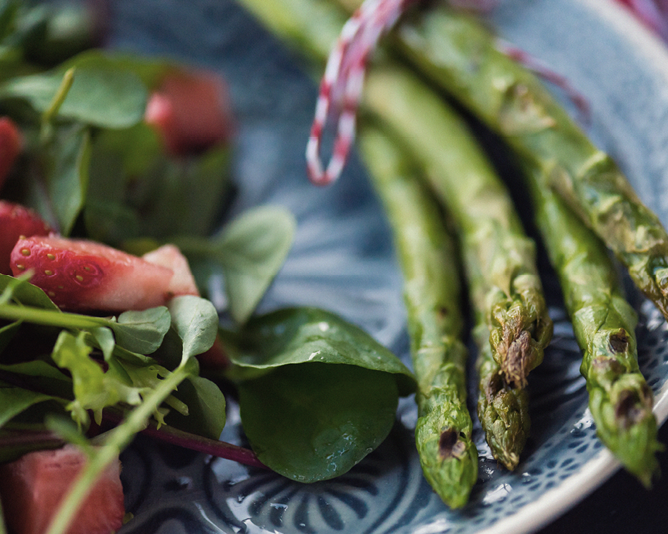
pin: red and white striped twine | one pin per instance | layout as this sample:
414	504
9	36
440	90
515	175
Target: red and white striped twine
341	86
653	13
545	72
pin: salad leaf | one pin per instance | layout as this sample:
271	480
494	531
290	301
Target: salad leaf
7	333
206	408
126	171
150	71
93	388
315	422
137	191
41	377
104	339
45	33
67	174
327	395
102	94
142	331
196	322
186	198
23	292
8	13
209	183
14	400
311	335
250	251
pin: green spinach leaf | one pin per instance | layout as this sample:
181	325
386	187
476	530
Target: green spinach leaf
7	333
206	408
250	251
103	94
67	174
142	331
326	395
315	422
309	335
14	400
137	190
25	293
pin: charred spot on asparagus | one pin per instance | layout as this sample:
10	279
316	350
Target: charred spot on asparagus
492	386
450	444
619	341
610	368
519	358
633	406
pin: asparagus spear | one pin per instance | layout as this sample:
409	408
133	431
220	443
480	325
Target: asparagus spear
432	296
459	54
619	398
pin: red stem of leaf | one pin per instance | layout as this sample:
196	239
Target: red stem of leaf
219	449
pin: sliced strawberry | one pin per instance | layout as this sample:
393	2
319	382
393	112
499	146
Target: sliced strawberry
33	486
16	221
191	110
183	282
10	146
83	275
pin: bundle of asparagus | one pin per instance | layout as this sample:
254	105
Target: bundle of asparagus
459	54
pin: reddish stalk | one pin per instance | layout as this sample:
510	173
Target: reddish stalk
219	449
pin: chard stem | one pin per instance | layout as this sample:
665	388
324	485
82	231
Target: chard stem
219	449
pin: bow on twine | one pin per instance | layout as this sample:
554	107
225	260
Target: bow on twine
342	84
343	81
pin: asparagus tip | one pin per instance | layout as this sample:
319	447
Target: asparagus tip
449	463
520	358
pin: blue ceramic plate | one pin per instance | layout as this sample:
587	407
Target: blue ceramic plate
343	261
